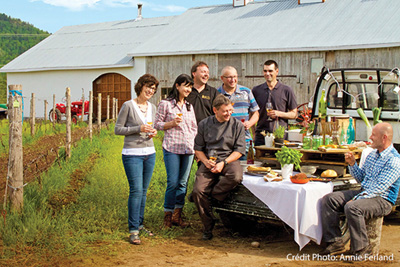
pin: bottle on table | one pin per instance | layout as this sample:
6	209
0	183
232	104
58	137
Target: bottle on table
343	136
335	132
322	105
350	132
250	153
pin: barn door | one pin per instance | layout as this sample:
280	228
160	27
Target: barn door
114	85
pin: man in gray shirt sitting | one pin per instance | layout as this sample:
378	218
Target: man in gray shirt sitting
217	177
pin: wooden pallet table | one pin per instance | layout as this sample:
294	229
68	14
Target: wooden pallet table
331	159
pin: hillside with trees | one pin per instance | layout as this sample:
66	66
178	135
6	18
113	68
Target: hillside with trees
16	37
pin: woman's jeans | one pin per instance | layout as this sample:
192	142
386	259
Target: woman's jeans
139	170
178	168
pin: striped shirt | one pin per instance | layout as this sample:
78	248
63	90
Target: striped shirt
179	139
379	175
244	104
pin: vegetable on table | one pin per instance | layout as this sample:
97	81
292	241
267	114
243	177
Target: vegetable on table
362	115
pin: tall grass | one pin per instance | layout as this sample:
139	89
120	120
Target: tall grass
97	213
41	129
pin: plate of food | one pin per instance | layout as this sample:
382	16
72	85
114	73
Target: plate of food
272	176
258	169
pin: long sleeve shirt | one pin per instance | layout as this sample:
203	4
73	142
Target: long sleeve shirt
178	139
379	175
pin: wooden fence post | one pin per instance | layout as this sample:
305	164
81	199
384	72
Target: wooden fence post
68	113
116	108
113	109
33	114
99	110
45	110
108	107
83	104
54	110
15	176
90	115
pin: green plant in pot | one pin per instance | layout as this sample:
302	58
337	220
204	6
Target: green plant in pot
279	134
288	158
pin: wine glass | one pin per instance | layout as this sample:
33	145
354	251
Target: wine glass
268	108
179	114
233	99
212	155
149	123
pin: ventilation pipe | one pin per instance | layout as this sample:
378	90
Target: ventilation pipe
310	1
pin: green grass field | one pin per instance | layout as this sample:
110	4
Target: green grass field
83	202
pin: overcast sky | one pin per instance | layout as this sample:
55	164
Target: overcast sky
52	15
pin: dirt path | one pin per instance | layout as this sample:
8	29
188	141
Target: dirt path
227	250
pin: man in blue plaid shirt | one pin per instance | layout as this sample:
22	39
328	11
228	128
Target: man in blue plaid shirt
379	178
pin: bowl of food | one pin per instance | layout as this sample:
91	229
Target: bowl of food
308	169
300	178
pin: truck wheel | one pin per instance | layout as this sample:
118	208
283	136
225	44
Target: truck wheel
57	116
74	119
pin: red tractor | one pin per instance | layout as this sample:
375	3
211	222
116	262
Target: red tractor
76	111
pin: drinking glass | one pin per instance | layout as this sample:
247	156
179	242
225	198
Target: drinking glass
212	154
179	114
268	108
149	123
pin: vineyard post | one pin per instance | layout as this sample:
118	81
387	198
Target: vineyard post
90	115
83	104
33	114
15	176
45	110
116	107
53	114
113	109
99	111
68	113
108	107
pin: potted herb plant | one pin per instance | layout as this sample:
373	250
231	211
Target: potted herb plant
279	134
288	158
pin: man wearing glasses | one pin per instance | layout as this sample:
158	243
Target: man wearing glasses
245	107
281	97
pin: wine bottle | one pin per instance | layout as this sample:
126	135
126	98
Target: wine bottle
350	132
322	105
250	153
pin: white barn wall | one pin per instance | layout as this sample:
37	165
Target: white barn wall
46	83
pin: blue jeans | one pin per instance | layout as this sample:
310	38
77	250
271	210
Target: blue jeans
178	168
139	170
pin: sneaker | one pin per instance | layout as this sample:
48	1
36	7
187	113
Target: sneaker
362	254
334	248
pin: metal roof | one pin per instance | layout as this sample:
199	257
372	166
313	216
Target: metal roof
262	26
88	46
279	26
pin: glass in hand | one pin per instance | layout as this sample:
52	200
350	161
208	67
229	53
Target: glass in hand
212	155
268	108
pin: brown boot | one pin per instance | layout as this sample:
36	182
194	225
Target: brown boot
177	218
167	219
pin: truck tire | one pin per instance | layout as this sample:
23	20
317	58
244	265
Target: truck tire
74	119
57	115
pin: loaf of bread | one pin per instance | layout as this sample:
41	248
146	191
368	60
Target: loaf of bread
299	176
252	168
329	174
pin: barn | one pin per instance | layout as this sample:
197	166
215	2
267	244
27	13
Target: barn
302	36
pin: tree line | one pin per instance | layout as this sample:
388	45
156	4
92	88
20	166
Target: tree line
16	37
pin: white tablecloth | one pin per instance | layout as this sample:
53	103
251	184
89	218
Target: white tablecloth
295	204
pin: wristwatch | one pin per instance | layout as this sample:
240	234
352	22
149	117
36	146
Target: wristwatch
225	163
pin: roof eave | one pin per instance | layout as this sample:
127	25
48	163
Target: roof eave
268	50
67	68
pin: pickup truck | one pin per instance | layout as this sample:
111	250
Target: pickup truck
346	90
